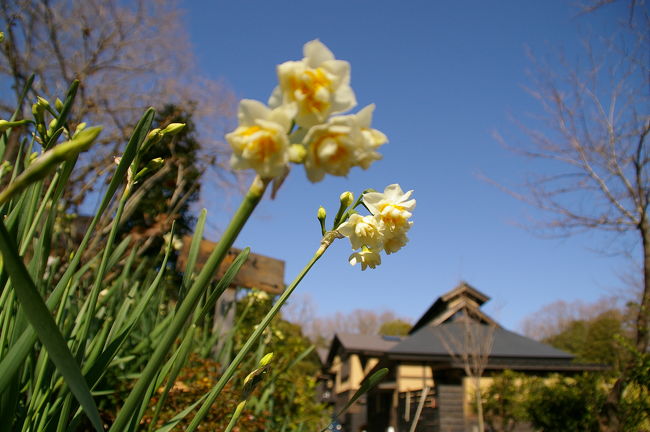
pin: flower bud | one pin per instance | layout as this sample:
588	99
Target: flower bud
322	214
297	153
153	166
80	127
266	359
52	124
154	134
173	128
156	163
346	198
37	110
58	104
2	37
43	102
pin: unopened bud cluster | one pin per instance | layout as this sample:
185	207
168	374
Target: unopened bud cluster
384	229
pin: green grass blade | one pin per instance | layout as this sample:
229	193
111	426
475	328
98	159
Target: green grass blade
16	113
41	319
20	350
179	362
365	386
180	416
224	283
194	248
98	368
49	160
65	110
235	417
188	306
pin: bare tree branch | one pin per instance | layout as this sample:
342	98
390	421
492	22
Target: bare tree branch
127	57
592	141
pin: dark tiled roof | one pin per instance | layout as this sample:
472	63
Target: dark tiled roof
429	341
358	343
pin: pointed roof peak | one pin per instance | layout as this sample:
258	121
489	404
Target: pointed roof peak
463	299
463	289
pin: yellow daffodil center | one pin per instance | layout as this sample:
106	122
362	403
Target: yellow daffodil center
393	214
312	88
327	149
261	144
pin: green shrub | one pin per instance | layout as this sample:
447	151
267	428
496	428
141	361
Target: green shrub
565	404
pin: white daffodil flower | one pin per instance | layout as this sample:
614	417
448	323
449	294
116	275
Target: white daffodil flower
366	153
331	147
393	206
260	141
395	241
366	257
318	84
342	143
384	229
362	231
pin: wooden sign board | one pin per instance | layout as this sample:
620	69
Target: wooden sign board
259	271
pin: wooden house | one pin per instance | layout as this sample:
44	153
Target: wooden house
433	359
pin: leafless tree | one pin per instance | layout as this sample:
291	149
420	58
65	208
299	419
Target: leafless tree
127	56
593	138
471	347
303	311
555	317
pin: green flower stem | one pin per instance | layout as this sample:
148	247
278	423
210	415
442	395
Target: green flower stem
232	367
202	281
233	421
339	215
4	124
94	292
45	202
352	208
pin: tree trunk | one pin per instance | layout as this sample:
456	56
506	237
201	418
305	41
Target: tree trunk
479	404
610	420
644	306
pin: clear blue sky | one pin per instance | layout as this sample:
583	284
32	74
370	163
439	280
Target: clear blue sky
444	75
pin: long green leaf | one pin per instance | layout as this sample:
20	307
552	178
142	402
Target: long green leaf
99	367
40	318
365	386
224	283
188	306
180	416
19	107
19	351
179	362
49	160
65	110
194	248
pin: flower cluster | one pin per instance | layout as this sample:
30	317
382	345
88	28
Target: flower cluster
384	229
298	125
